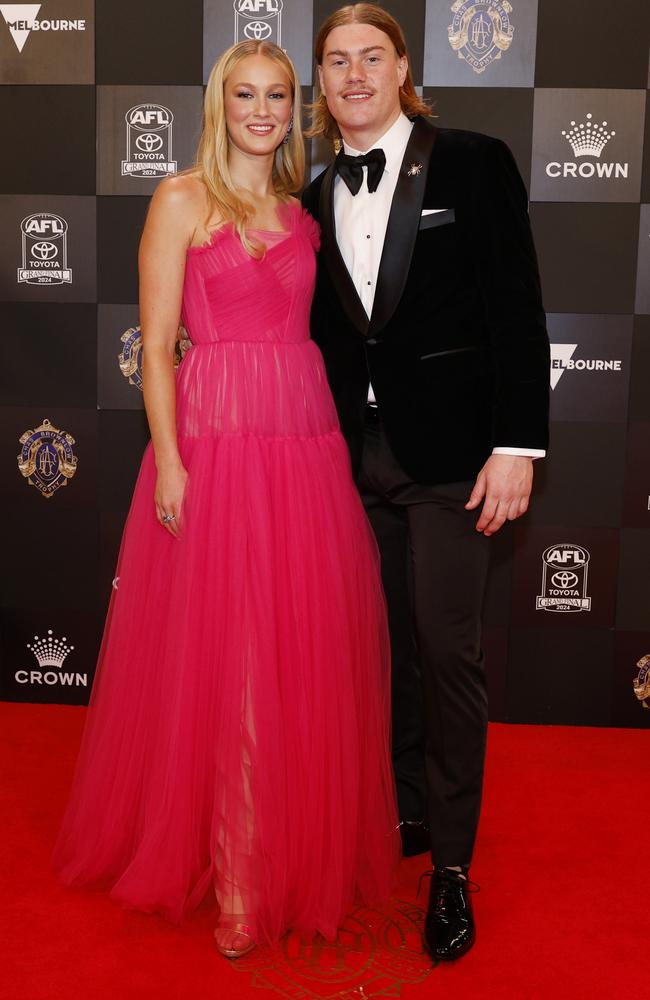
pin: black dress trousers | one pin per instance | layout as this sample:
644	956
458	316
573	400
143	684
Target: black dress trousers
434	569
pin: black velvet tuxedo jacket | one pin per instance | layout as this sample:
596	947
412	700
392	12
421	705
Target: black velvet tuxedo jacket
456	346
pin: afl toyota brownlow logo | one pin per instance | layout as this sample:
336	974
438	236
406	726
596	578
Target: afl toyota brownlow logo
45	250
258	20
564	579
148	142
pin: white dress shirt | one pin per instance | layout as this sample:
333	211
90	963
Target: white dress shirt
361	220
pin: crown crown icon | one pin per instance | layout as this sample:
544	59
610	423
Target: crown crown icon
50	652
587	138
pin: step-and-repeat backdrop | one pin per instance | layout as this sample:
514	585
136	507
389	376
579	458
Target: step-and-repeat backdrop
98	101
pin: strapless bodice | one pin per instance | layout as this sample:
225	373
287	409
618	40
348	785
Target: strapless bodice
252	367
230	296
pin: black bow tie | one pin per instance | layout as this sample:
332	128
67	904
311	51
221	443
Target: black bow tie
351	169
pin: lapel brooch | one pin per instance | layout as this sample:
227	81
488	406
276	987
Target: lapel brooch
415	169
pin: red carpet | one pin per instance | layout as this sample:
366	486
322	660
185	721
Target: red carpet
563	910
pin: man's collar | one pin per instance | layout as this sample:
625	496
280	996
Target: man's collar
393	142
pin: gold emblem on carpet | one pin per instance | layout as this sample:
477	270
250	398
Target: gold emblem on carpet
376	952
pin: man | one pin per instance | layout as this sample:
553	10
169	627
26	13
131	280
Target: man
428	298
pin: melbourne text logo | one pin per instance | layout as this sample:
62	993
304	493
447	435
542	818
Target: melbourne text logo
562	361
22	19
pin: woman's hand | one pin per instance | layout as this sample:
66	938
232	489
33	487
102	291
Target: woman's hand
168	497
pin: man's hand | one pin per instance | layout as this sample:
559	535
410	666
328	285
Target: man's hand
505	481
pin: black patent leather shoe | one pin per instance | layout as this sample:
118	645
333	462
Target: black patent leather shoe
415	837
449	930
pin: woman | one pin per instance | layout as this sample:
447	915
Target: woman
238	727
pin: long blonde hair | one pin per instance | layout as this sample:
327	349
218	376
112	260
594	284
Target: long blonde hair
211	163
322	122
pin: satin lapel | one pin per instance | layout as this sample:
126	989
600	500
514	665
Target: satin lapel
334	262
403	224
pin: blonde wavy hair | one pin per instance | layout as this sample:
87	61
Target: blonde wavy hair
322	122
211	163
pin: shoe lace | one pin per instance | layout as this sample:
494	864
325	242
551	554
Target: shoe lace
446	879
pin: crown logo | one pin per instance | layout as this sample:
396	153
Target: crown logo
587	138
50	652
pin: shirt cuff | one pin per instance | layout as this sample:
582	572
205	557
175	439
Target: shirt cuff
523	452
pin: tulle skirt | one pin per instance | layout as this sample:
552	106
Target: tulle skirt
237	741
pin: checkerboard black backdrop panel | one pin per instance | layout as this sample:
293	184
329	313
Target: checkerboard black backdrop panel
566	88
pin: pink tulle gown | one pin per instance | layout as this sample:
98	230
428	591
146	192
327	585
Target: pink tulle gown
237	739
